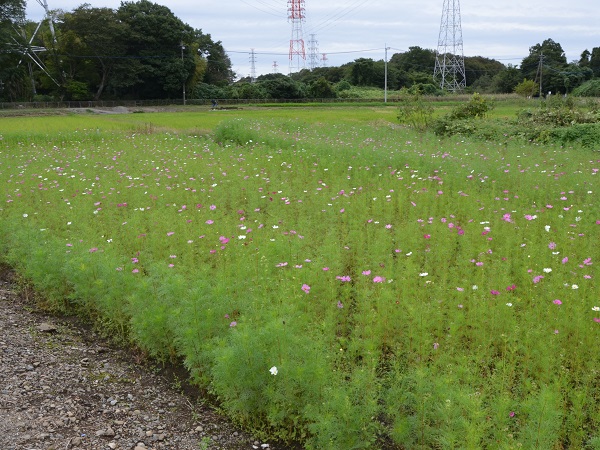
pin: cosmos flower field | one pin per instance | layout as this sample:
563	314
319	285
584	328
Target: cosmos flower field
339	283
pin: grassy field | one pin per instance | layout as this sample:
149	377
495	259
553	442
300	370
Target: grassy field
330	276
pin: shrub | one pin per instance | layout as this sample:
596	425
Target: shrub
460	119
415	112
590	88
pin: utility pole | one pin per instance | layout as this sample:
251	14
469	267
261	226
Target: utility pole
449	59
386	75
540	73
182	64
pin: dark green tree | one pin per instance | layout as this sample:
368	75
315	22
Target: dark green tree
595	61
414	66
321	88
283	87
584	59
505	81
95	42
416	59
12	78
553	60
575	75
159	51
247	90
218	65
363	72
478	66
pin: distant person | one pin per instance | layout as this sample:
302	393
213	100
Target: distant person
215	104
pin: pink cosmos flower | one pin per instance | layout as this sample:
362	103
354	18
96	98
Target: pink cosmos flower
378	279
557	302
306	288
552	245
366	272
565	260
494	292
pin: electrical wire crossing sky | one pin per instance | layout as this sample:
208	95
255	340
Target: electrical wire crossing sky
352	29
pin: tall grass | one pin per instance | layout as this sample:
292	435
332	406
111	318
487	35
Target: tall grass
339	282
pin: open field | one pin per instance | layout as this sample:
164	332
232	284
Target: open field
331	276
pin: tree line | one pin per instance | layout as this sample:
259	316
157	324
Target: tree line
141	50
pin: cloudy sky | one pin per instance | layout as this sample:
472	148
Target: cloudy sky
351	29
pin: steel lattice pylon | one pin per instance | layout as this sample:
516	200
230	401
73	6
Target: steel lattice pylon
313	53
450	61
297	51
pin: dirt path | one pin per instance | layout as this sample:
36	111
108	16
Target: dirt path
62	387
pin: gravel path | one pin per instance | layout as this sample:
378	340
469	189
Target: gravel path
62	387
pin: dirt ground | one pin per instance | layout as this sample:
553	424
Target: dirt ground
63	387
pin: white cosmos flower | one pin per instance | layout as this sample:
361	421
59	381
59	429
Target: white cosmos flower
273	370
547	227
547	269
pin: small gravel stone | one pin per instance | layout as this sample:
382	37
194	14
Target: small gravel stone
62	387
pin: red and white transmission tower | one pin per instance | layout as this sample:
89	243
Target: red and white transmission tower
297	52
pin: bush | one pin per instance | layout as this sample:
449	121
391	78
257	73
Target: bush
415	112
590	88
460	119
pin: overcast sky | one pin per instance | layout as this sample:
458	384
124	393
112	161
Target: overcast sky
351	29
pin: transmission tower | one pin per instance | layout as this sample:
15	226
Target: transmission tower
449	60
275	66
31	52
324	59
313	53
252	66
297	16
